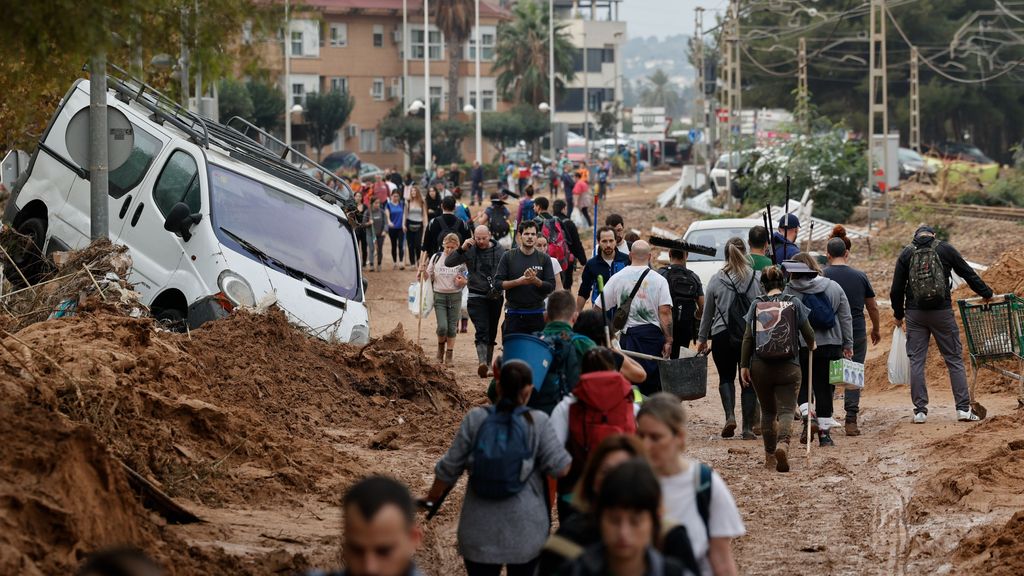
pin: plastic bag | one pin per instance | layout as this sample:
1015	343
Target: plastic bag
421	307
579	219
899	362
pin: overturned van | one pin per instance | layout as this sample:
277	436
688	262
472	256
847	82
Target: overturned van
213	217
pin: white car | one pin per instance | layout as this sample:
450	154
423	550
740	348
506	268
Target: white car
715	233
213	220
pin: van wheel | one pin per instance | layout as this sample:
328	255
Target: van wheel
171	318
28	257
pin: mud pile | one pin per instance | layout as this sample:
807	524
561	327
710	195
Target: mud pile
995	550
247	409
1004	276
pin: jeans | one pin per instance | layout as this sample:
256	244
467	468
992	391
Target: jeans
477	569
377	247
397	244
415	239
776	384
851	397
522	323
823	355
921	325
447	308
727	361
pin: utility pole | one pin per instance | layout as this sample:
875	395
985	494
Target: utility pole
733	99
551	76
287	80
915	102
183	62
479	130
428	158
98	153
878	104
696	150
802	96
586	98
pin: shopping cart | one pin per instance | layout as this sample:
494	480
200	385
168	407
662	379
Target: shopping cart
995	339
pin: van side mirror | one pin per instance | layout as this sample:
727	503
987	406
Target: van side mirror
180	220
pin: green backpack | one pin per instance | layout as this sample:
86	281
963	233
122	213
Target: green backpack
927	278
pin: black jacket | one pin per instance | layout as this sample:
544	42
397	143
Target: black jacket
451	225
482	265
952	261
572	236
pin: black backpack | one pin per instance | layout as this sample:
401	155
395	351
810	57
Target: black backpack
735	317
445	230
497	222
684	286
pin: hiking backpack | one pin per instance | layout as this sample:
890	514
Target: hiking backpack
684	286
927	278
821	316
563	374
497	222
735	317
775	328
558	245
528	211
501	448
603	409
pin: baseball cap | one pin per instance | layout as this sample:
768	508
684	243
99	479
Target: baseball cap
789	221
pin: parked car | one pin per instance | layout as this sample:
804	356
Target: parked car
961	151
212	219
715	233
346	161
913	164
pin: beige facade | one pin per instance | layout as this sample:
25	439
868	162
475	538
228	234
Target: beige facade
356	45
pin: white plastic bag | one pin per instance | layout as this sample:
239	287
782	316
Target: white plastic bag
579	219
899	362
416	305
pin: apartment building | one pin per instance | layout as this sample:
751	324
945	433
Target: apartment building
357	45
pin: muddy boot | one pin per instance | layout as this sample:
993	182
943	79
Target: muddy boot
727	391
770	461
825	439
448	357
782	457
851	426
440	352
729	430
490	358
483	360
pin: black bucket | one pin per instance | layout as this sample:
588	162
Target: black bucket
687	378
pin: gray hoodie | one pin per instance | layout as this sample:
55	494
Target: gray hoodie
841	332
722	289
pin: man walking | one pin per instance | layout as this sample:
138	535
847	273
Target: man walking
861	295
572	237
921	300
445	224
784	241
605	264
476	177
481	255
526	276
648	328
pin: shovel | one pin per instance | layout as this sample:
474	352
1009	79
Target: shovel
976	407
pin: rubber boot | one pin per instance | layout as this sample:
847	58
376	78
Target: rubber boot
440	352
782	457
727	390
490	356
751	411
483	360
851	426
449	359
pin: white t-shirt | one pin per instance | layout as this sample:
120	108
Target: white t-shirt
679	494
623	247
652	294
556	268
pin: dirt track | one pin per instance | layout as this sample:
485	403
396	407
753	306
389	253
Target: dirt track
261	443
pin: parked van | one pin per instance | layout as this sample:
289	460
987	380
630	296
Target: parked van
213	218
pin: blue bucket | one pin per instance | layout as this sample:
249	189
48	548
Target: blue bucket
531	350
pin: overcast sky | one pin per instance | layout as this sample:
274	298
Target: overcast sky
665	17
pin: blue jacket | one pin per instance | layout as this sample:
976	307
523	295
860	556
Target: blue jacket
595	267
783	248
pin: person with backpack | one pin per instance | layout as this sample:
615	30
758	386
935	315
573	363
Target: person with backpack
921	301
770	361
461	210
784	245
526	276
606	263
830	317
693	495
440	227
687	300
481	255
726	302
643	311
527	210
448	283
600	405
577	254
508	450
495	217
556	267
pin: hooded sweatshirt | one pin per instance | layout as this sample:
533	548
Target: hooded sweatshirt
841	332
722	290
900	294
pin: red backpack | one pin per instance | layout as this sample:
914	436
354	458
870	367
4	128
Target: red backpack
604	406
558	244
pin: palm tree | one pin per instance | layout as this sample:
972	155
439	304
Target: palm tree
660	92
522	54
455	20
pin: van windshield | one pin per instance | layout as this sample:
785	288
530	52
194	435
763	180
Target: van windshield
716	238
299	238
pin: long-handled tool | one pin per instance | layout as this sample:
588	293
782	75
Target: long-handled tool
419	310
604	311
810	398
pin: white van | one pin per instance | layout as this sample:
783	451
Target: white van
213	219
715	233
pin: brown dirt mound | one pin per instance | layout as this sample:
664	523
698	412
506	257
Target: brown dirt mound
1004	276
995	550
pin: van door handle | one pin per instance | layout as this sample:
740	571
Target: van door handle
138	212
124	207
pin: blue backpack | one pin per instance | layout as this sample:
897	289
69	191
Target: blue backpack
528	211
502	447
822	316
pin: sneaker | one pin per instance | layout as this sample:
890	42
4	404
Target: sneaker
825	439
920	417
782	457
967	416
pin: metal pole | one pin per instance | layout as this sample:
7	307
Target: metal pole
551	75
915	102
699	102
287	79
586	101
479	110
803	104
878	103
183	62
428	144
98	224
199	64
406	161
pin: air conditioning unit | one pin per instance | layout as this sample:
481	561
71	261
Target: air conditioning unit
396	35
351	131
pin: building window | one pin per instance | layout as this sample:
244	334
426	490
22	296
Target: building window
339	35
377	91
416	44
298	94
388	145
296	43
486	100
608	55
378	35
435	97
339	140
594	58
368	140
339	84
488	36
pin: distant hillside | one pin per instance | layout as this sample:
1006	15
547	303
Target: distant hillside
642	56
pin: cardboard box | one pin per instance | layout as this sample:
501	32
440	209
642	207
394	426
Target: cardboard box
846	373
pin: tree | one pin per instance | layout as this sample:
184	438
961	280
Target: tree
455	20
325	114
661	92
447	140
506	129
407	131
233	99
522	54
606	121
267	104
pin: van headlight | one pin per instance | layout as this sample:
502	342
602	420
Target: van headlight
236	289
360	334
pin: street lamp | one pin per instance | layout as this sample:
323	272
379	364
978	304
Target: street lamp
297	109
543	107
468	109
416	106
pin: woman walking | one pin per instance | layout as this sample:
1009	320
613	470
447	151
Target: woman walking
376	232
711	520
732	287
396	220
770	361
829	314
362	220
505	518
448	283
415	210
433	202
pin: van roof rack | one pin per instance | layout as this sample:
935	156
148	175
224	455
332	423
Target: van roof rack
251	149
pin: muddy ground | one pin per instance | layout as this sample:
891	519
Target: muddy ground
258	430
